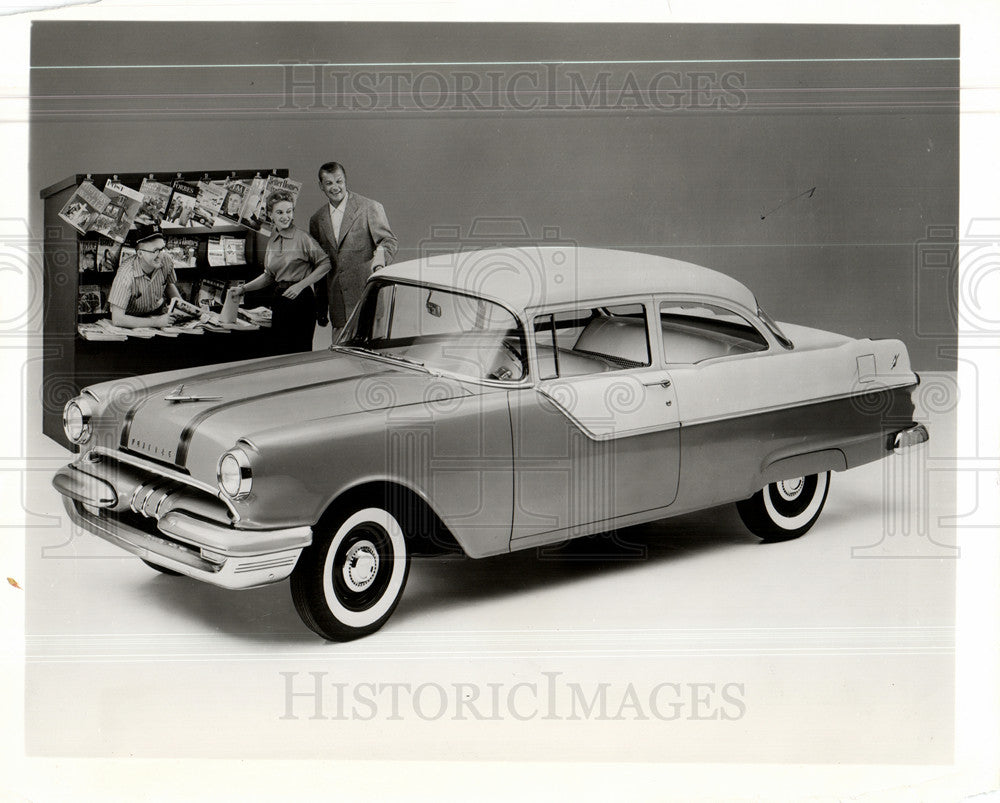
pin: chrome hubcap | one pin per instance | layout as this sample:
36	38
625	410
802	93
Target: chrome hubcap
790	489
360	565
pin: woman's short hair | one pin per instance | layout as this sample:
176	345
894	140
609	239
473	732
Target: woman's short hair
277	197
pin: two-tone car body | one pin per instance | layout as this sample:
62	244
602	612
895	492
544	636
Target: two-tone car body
485	401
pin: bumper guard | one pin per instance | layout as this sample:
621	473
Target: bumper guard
908	438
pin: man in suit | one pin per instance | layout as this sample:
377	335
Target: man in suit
354	231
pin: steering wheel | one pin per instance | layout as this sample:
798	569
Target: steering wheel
509	348
504	372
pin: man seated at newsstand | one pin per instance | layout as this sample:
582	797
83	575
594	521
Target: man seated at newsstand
145	283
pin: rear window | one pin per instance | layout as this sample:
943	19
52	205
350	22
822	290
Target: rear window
696	331
591	340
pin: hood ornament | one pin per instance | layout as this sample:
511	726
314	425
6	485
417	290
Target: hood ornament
179	395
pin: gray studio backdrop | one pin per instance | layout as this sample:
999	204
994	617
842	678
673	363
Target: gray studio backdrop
814	163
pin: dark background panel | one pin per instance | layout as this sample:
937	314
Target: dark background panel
866	115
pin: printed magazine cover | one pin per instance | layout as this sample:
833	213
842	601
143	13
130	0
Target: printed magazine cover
155	199
84	206
129	201
216	253
251	214
208	202
108	255
87	255
273	184
236	191
183	310
235	250
90	300
183	251
210	293
181	206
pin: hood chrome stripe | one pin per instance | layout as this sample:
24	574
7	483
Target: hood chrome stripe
130	417
281	361
186	436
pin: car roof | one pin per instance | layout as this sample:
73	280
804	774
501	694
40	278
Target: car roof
534	276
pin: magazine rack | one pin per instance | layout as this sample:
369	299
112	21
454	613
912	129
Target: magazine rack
70	362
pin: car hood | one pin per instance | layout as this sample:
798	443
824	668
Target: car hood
190	423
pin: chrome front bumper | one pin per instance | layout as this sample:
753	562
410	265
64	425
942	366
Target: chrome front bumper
908	438
190	544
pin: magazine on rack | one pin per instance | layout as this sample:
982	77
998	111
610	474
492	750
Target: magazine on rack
155	198
235	250
87	255
252	212
128	201
273	184
236	191
181	206
109	221
207	203
108	255
216	253
84	206
90	300
182	250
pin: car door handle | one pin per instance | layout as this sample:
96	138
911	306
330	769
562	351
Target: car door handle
663	383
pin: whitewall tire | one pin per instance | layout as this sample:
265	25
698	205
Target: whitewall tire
349	581
786	509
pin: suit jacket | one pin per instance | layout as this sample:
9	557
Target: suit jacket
363	229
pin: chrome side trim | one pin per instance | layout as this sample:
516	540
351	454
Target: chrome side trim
164	471
908	438
801	403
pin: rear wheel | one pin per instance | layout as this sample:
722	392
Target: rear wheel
786	509
349	581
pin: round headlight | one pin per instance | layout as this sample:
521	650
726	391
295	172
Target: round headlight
235	476
77	415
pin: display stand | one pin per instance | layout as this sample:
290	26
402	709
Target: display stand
71	362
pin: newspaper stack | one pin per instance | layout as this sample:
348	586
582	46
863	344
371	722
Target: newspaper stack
261	316
93	331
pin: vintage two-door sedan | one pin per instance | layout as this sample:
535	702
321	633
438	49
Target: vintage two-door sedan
485	401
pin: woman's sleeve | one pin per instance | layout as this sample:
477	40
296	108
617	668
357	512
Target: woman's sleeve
316	253
268	268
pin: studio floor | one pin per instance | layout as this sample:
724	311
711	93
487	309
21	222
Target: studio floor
683	640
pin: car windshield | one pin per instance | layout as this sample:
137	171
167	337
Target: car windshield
439	330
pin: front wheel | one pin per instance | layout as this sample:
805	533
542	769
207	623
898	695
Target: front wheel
349	581
786	509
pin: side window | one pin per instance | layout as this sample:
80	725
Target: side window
591	340
693	331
